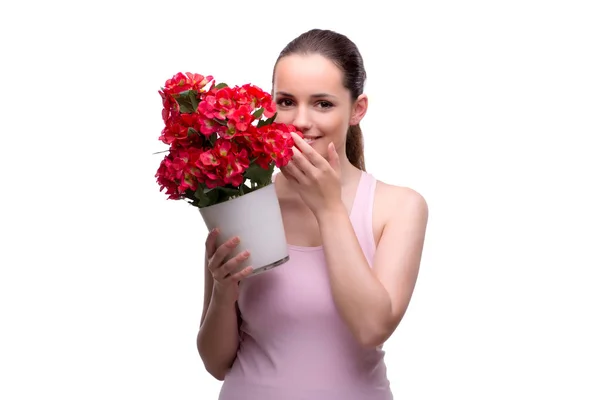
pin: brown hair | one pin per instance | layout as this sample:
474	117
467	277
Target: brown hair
343	53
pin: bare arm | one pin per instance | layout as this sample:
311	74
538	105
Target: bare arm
373	301
218	337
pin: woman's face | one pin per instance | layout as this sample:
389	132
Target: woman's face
309	94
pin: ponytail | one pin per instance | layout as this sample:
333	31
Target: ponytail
355	147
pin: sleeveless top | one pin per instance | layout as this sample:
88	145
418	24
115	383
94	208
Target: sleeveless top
293	343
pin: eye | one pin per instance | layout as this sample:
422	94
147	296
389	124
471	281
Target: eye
284	102
324	104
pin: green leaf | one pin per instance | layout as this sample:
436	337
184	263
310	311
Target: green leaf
192	132
258	113
205	197
258	175
193	99
225	189
229	191
221	85
264	122
187	101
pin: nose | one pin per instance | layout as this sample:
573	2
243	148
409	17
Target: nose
302	119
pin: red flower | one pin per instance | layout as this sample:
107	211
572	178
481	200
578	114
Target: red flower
178	172
242	117
208	106
215	133
224	164
182	130
208	126
189	81
224	103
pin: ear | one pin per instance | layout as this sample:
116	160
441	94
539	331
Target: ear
359	109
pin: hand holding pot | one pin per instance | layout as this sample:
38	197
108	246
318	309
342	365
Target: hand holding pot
224	273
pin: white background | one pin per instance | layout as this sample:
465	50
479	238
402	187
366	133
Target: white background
490	109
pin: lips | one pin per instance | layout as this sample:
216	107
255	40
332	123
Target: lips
311	140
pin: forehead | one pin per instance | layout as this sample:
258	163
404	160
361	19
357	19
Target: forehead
307	74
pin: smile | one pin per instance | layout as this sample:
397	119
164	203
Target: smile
311	140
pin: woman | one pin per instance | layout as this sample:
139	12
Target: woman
313	328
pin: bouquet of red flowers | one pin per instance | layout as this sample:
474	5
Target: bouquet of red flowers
223	141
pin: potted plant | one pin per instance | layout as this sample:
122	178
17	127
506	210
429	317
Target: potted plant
224	144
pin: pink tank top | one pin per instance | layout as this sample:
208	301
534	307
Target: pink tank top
293	343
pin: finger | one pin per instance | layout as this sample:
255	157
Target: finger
231	265
211	243
297	175
238	276
285	172
307	150
291	180
222	252
334	157
302	162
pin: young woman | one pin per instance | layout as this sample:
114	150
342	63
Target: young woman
314	327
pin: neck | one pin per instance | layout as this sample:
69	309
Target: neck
349	173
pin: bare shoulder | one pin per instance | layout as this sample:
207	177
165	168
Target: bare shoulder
398	206
400	201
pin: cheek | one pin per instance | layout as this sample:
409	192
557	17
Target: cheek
283	117
333	124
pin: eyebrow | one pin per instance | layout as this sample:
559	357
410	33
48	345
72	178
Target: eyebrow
321	95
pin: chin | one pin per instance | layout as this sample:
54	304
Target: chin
320	145
320	142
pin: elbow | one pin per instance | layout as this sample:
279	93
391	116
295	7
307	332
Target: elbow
372	339
378	329
217	374
215	369
375	334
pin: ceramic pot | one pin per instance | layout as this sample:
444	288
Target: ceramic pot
256	219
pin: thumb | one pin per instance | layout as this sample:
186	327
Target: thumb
334	158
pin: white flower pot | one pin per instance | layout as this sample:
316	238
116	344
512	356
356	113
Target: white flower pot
256	219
